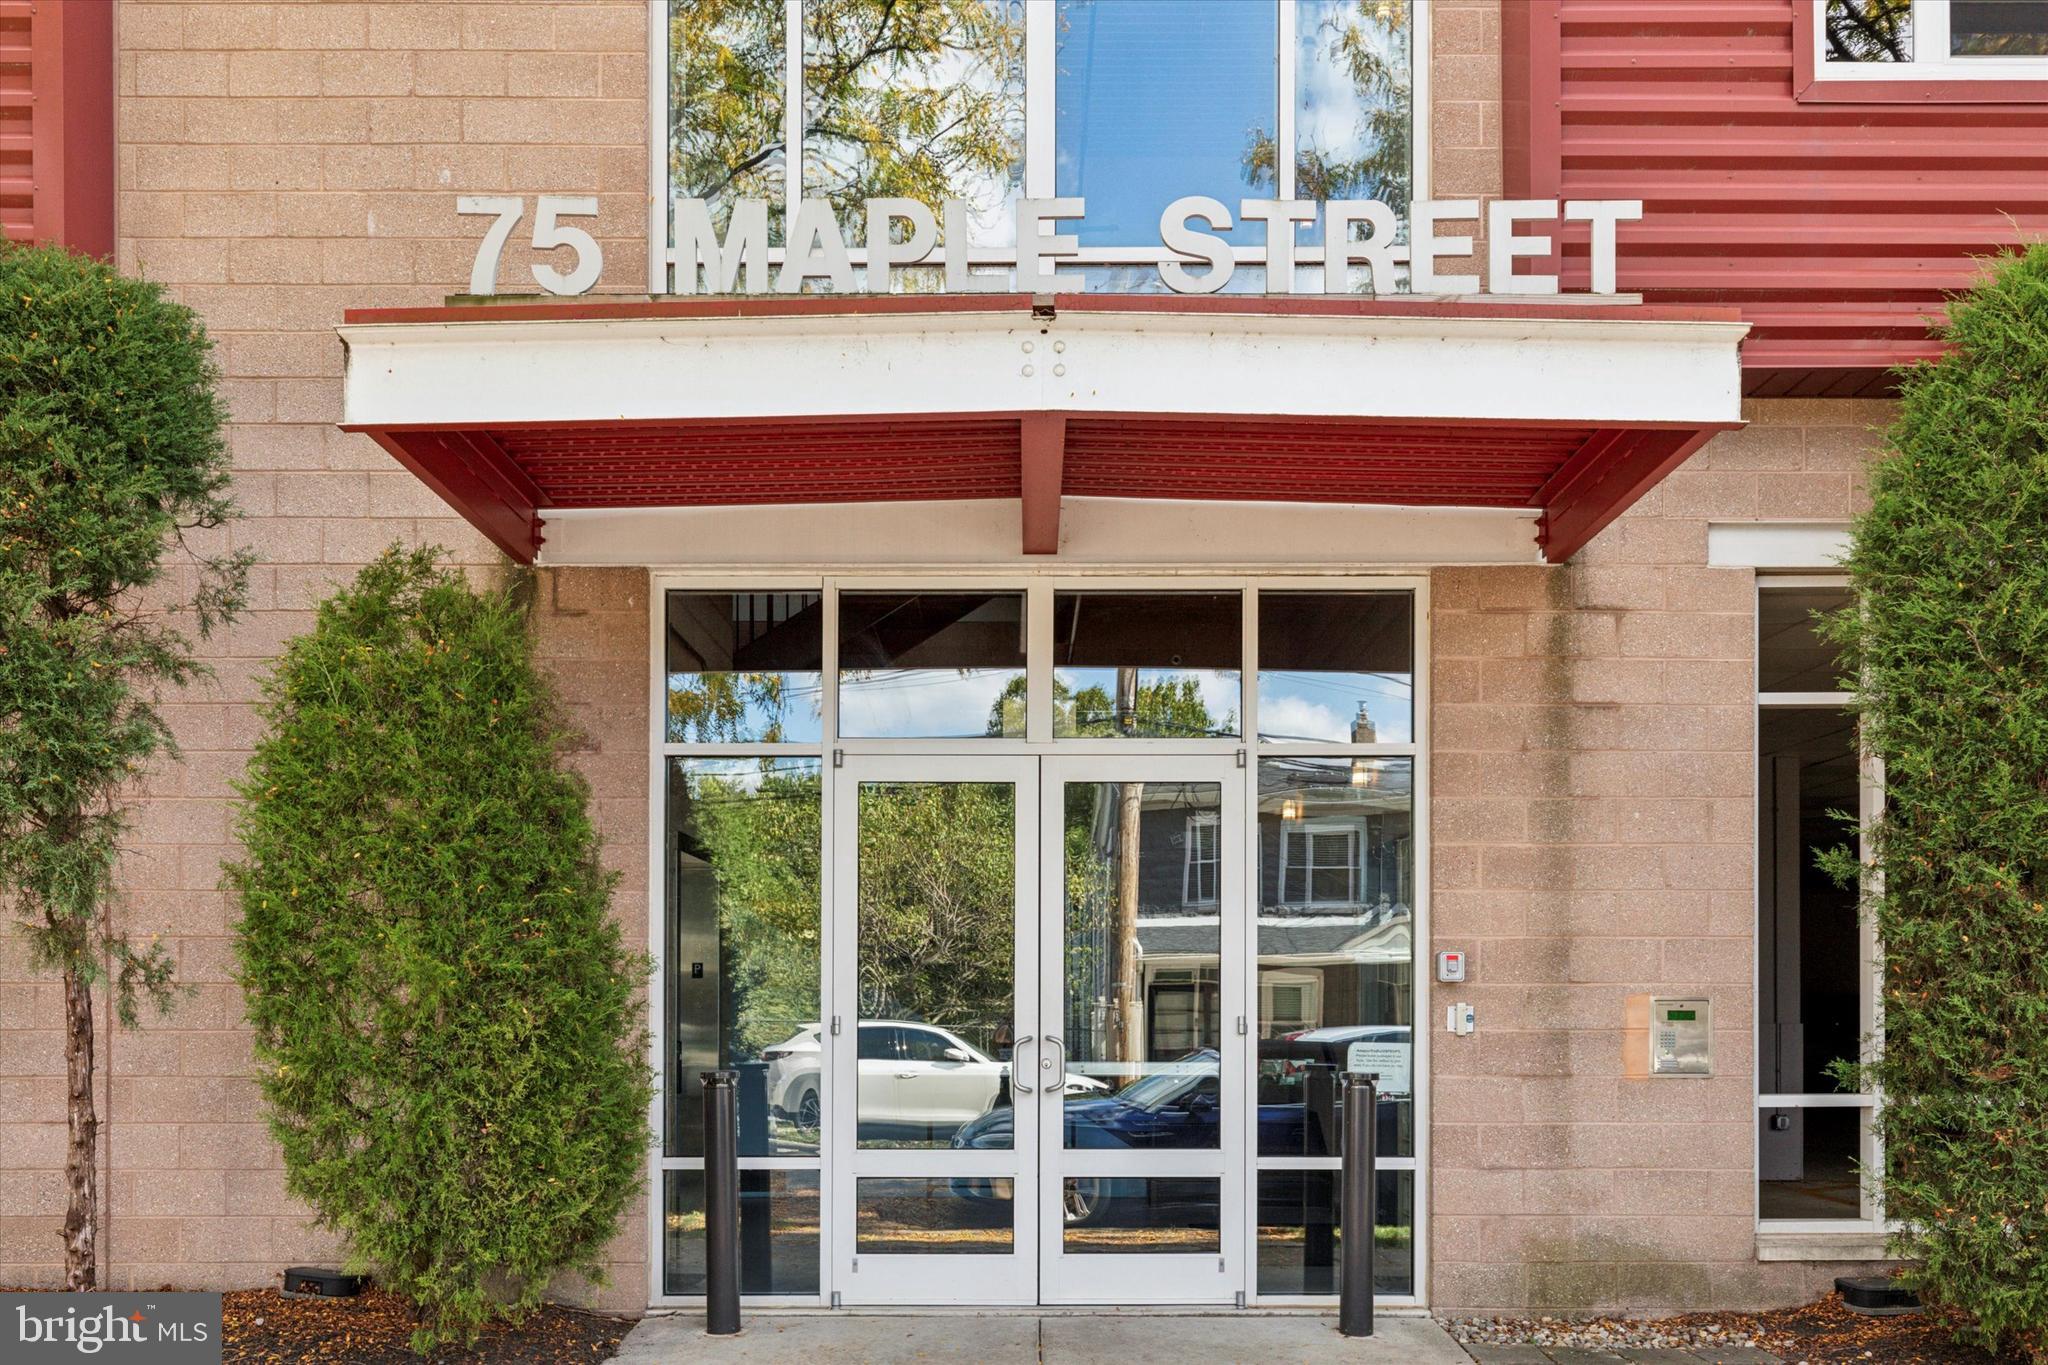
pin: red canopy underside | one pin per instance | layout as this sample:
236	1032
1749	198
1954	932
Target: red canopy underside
506	479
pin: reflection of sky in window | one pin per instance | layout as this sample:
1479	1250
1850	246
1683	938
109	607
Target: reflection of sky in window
1323	706
932	703
709	777
1159	100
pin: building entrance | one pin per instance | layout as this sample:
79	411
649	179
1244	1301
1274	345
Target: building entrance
1055	1114
1038	920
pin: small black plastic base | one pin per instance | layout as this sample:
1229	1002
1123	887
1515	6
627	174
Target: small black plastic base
311	1282
1879	1296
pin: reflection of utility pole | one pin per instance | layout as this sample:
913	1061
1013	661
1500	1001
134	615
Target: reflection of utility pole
1126	1013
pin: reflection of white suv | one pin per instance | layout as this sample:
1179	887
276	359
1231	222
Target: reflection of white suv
912	1075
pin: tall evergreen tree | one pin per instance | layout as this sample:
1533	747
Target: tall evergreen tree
1948	636
110	451
446	1017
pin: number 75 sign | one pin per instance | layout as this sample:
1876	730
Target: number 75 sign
548	232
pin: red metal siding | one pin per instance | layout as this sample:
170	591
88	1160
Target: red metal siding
57	123
1838	227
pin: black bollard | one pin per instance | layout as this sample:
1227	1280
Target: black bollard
1361	1185
721	1203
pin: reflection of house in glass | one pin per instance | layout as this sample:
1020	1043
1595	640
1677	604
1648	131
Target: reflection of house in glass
1336	878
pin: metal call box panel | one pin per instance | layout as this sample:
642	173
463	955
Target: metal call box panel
1681	1037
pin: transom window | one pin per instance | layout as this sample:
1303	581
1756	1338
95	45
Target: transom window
985	102
1948	39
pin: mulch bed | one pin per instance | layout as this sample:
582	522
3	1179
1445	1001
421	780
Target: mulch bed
1826	1332
374	1328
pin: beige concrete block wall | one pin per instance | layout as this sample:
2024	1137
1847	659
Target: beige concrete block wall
277	164
1594	833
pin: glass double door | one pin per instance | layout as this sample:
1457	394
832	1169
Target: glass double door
1038	1053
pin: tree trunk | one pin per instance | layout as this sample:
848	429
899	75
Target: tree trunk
81	1214
1127	1011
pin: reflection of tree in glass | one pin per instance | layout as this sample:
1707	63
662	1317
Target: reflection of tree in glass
1366	41
911	98
711	708
762	842
1870	30
938	904
1169	707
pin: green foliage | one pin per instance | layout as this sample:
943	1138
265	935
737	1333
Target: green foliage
445	1015
1949	634
110	450
900	99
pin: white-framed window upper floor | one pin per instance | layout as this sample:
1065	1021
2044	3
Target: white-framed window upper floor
1128	106
1819	968
1930	39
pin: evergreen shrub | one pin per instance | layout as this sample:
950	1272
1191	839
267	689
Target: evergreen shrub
446	1018
1948	634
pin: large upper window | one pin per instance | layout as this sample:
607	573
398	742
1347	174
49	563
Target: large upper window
1130	105
1948	39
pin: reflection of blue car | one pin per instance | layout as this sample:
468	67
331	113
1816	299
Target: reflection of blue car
1172	1110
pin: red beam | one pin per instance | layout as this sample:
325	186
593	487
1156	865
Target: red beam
1042	447
1605	480
460	476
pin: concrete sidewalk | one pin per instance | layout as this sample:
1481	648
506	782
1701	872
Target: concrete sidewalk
967	1338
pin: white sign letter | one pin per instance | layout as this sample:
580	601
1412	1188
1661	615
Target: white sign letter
746	240
1603	214
483	272
815	249
1502	246
959	239
883	253
1425	246
1279	216
548	233
1377	250
1034	276
1183	240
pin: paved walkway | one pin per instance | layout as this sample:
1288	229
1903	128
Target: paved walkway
968	1338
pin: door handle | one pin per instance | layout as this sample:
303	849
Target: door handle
906	1075
1059	1080
1016	1072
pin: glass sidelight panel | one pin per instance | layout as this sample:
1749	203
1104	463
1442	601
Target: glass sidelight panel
1301	1235
945	665
934	1216
1133	1215
741	976
1147	665
1142	1019
936	972
1336	948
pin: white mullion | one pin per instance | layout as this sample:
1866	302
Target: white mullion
1837	1100
659	198
792	110
1041	40
657	929
1810	701
1930	31
1283	137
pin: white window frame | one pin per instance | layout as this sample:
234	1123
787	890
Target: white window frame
1929	35
1305	833
1814	1233
1039	146
1193	868
1039	588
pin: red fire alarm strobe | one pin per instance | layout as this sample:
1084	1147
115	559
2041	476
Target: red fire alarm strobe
1450	965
